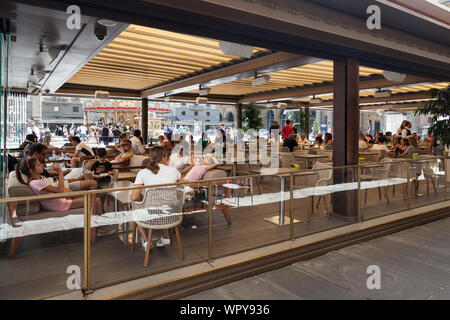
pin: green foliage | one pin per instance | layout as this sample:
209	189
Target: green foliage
316	126
304	121
251	119
440	107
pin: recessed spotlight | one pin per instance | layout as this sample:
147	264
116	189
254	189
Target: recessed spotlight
106	22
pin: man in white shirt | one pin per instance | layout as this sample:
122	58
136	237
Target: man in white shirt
36	131
380	145
83	131
136	144
81	150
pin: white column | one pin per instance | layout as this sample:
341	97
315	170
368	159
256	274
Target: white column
36	110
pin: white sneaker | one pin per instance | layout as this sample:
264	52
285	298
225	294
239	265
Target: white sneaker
163	241
144	245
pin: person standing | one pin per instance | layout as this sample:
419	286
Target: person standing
83	132
293	127
105	134
36	131
275	126
287	130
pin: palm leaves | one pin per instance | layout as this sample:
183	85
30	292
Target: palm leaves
439	107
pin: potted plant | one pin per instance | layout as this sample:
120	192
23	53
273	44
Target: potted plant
439	108
251	119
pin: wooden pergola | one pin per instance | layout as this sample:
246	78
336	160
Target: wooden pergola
304	58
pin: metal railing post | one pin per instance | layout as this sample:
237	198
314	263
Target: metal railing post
445	178
210	209
87	288
408	186
359	192
291	211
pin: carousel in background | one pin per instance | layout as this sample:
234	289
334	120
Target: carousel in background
124	113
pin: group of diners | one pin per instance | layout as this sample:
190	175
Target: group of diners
164	168
293	140
403	143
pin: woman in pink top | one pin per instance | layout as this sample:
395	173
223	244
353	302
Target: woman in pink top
32	168
201	166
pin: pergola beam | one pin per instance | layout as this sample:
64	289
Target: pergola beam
394	97
395	106
370	83
262	65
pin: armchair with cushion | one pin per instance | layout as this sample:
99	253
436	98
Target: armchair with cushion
29	210
137	162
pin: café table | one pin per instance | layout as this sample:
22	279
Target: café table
281	220
307	157
121	198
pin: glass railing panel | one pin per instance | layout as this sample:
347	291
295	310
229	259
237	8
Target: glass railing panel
384	187
42	247
161	220
251	212
324	198
427	180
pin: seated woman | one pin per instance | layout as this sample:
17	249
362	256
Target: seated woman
180	161
122	137
411	149
328	141
125	155
32	169
157	173
291	142
303	142
318	143
29	140
168	143
201	166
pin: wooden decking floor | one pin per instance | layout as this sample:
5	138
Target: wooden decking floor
39	267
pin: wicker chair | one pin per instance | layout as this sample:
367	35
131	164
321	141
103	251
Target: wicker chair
429	169
379	173
325	178
166	204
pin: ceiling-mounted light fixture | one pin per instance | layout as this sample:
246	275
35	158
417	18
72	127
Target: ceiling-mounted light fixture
167	98
107	22
204	91
394	76
201	100
382	93
52	53
315	100
257	81
236	49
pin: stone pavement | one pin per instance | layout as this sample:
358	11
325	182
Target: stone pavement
414	264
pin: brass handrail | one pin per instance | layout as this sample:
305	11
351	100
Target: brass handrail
102	191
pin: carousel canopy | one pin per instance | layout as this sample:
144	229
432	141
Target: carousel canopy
123	105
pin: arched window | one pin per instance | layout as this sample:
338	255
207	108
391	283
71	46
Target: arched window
230	117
